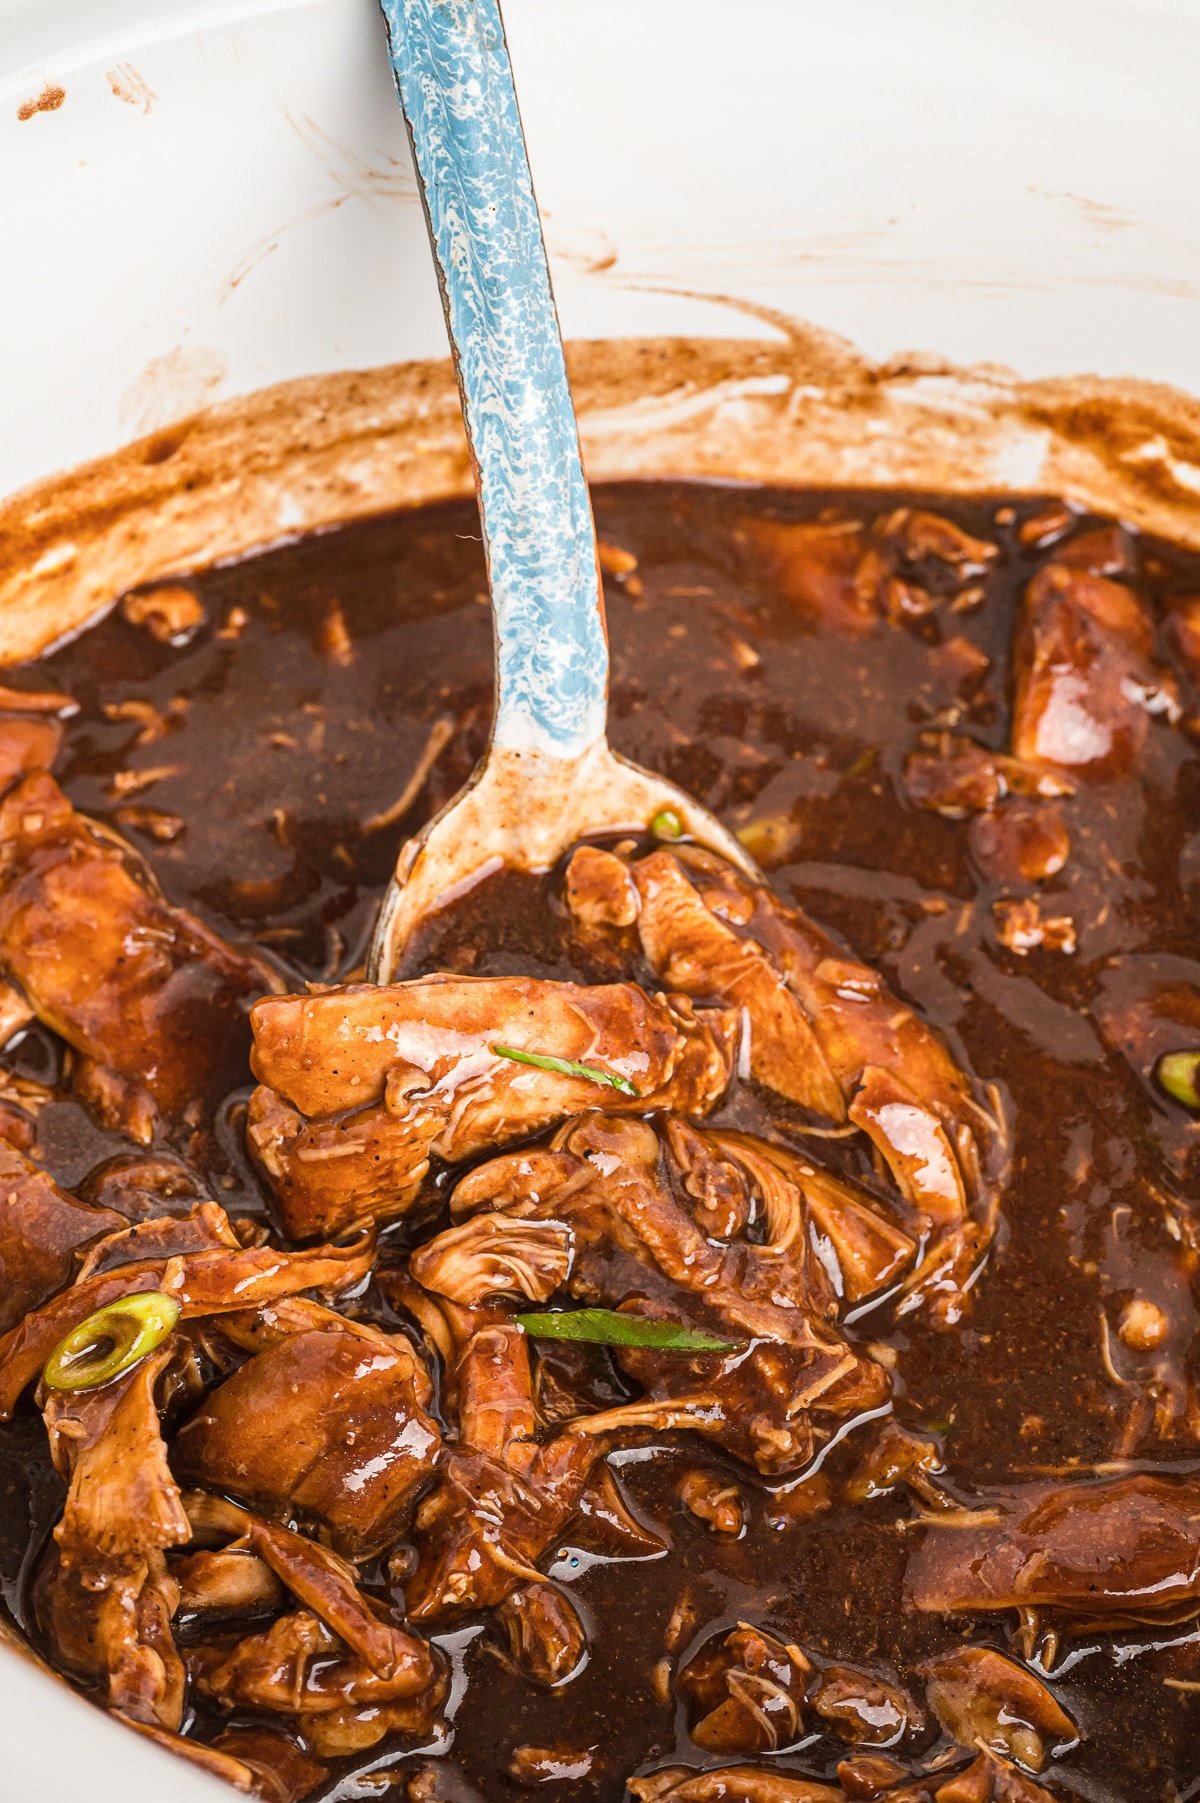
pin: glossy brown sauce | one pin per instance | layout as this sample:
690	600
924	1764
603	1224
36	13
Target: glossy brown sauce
312	690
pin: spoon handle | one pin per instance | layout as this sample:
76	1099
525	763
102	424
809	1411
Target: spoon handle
454	80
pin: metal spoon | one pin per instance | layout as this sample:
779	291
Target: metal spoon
548	778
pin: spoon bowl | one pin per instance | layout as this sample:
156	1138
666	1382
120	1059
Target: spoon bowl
548	778
524	810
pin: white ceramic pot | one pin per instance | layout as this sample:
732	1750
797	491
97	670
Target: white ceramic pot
201	199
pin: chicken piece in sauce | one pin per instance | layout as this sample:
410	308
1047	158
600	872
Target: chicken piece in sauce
108	1598
328	1418
360	1087
151	1001
603	1215
825	1032
1122	1549
42	1231
1087	682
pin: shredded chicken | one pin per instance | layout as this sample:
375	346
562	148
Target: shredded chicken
362	1086
609	1200
844	577
42	1229
745	1692
503	1495
338	1663
1124	1549
731	1784
354	1476
151	1000
863	1707
986	1780
825	1032
108	1597
956	776
255	1761
203	1283
1087	682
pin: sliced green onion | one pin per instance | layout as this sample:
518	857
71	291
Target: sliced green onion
111	1341
566	1067
666	824
613	1327
862	763
1179	1074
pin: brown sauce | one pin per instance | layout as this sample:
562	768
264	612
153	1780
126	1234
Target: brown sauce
297	712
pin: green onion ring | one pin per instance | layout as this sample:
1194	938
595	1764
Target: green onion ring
1179	1074
666	824
111	1341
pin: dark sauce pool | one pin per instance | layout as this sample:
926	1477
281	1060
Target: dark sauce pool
297	714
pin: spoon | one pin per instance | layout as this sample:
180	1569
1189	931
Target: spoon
548	777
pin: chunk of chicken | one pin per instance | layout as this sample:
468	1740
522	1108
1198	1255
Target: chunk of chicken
1023	842
842	576
866	1777
31	730
745	1692
815	564
731	1784
150	999
299	1668
42	1229
611	1206
316	1576
28	742
1086	678
108	1599
503	1497
952	775
204	1228
869	1249
897	1457
338	1663
203	1283
720	1506
1121	1550
495	1255
144	1185
698	949
720	1194
219	1583
985	1699
543	1634
864	1707
508	1489
255	1761
989	1780
362	1086
326	1422
986	1780
825	1032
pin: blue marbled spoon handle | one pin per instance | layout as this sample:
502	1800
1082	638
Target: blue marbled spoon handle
455	85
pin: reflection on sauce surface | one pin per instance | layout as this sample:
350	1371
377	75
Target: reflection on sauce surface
957	735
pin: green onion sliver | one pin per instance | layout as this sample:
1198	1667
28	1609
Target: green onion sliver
111	1341
566	1067
1179	1074
613	1327
666	824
